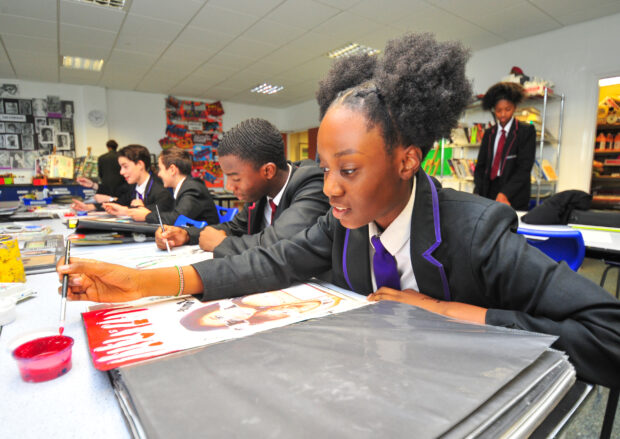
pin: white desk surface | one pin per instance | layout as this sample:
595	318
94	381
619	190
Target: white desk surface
80	403
594	237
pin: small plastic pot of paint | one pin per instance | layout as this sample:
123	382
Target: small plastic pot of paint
44	358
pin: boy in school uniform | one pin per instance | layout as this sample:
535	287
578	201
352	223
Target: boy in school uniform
191	197
392	233
281	197
145	190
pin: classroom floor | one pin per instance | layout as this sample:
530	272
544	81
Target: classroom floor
589	419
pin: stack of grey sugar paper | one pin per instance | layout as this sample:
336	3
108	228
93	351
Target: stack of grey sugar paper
384	370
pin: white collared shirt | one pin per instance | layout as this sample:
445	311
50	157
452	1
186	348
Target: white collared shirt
140	188
396	239
497	136
277	198
178	187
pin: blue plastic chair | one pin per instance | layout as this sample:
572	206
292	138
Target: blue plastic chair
560	245
226	213
182	220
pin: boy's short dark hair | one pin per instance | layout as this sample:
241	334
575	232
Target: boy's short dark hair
510	91
256	141
177	157
112	144
135	153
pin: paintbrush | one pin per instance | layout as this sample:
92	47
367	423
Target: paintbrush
162	227
65	286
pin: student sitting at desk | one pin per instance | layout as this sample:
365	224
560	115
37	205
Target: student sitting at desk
191	197
392	233
144	189
282	197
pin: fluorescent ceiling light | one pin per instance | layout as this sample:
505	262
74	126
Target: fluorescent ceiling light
76	62
267	89
116	4
609	81
352	49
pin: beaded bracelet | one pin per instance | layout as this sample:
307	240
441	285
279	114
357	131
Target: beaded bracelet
181	280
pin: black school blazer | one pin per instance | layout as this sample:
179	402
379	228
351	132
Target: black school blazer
516	165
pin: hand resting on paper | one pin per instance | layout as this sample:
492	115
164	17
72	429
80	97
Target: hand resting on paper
211	238
138	213
79	205
102	282
176	237
457	310
116	209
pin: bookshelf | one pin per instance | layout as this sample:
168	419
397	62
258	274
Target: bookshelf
605	186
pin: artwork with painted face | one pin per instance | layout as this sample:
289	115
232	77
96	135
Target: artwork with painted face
150	330
11	141
39	107
67	109
47	134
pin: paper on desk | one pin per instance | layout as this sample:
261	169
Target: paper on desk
596	236
127	334
145	256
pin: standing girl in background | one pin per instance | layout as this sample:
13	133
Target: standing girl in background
506	154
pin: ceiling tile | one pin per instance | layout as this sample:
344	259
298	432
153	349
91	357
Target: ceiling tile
307	14
140	44
339	4
150	28
28	66
189	90
522	20
86	36
39	9
126	81
315	43
474	9
91	16
378	11
177	11
312	70
347	26
575	11
182	52
16	25
248	48
256	8
34	45
175	64
133	62
285	58
214	72
196	36
229	60
83	50
222	20
271	32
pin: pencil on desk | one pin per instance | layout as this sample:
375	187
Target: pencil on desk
162	227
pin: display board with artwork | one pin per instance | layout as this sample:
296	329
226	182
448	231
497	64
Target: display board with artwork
31	128
197	127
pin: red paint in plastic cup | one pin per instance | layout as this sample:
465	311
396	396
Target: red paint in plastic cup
44	358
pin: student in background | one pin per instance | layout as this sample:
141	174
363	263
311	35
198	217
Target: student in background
144	189
191	197
506	154
112	183
282	197
392	233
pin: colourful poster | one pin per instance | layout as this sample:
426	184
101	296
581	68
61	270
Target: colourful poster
123	335
197	127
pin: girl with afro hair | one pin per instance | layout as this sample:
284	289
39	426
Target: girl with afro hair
506	154
392	232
